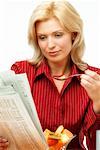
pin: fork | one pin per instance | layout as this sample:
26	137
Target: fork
64	78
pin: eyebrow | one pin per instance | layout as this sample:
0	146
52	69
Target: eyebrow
52	32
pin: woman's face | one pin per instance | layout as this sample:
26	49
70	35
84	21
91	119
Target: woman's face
54	42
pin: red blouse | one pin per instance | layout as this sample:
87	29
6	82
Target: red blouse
71	107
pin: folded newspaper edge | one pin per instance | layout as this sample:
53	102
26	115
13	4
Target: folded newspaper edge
19	121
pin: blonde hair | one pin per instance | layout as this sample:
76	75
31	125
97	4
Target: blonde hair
70	21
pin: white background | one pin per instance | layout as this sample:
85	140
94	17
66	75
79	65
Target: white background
14	17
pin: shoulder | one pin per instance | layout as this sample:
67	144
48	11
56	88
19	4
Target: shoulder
25	67
94	69
22	67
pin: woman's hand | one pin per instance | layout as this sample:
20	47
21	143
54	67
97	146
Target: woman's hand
3	143
91	82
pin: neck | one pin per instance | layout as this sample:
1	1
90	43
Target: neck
59	69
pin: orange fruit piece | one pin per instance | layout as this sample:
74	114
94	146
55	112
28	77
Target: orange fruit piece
52	142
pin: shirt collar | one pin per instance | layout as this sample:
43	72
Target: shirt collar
43	68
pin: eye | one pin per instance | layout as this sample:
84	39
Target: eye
42	37
58	35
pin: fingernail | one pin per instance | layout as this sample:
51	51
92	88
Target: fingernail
4	140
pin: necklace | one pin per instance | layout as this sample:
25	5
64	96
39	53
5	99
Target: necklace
59	77
63	76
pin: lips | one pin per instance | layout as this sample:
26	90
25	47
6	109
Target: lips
53	53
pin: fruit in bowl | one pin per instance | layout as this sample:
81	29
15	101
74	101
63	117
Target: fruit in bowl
58	139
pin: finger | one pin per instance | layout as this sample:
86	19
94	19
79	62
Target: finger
2	139
93	74
2	148
85	83
88	78
4	145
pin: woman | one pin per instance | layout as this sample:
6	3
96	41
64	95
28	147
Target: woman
56	33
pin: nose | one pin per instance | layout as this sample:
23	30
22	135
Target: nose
51	43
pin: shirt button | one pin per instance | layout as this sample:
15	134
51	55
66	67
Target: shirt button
91	135
62	111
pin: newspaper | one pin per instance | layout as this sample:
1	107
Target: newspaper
19	122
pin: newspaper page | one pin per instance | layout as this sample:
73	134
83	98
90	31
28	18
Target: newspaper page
21	85
19	121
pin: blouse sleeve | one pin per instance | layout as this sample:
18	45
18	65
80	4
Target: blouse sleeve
25	67
92	122
20	67
90	125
